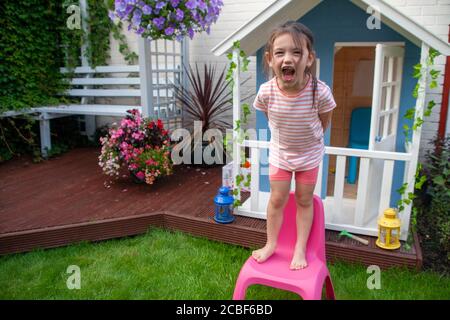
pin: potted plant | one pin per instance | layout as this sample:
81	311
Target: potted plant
206	100
141	145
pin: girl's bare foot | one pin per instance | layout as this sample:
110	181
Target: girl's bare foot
263	254
298	260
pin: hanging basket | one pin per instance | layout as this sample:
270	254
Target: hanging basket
167	19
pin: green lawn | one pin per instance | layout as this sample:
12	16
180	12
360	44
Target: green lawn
166	265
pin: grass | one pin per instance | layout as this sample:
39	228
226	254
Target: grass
168	265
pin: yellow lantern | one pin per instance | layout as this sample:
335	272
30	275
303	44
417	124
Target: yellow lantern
389	230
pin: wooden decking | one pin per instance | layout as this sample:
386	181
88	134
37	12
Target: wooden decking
67	199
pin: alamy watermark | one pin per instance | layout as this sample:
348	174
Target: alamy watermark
374	21
74	280
74	21
374	280
208	147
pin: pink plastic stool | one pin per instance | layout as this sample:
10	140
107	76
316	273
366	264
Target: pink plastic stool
275	272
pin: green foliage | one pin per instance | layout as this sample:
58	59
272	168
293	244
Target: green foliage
240	123
18	136
29	54
433	206
244	62
71	39
417	73
410	114
130	56
99	24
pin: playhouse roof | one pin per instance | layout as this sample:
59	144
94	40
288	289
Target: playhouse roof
254	33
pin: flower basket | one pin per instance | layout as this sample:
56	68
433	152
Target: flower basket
139	144
167	19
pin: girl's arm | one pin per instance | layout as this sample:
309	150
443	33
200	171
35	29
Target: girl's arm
325	118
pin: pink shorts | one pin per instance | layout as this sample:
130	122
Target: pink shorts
305	177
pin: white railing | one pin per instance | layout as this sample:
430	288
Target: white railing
372	197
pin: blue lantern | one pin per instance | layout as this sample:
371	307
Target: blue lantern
223	201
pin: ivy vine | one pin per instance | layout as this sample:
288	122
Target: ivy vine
130	56
31	55
238	125
101	27
408	197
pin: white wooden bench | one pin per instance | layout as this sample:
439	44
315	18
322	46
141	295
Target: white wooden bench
115	82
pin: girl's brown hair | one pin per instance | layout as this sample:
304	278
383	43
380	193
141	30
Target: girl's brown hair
298	31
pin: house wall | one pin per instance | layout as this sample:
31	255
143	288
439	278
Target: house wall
341	21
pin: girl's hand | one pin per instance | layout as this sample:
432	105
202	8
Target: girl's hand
325	118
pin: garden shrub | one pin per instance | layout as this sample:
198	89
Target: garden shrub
433	219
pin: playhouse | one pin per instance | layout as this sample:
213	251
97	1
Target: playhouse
369	68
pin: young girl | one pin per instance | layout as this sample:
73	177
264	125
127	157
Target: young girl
298	107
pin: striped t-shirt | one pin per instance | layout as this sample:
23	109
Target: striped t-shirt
296	142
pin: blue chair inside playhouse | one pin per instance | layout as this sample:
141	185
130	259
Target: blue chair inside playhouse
358	138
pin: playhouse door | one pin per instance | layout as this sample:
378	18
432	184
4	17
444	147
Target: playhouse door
387	85
385	109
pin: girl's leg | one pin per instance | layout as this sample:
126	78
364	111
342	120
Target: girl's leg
304	199
279	195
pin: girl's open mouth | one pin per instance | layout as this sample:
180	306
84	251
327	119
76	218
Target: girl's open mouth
288	73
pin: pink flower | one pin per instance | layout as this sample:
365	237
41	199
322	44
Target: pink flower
140	175
137	136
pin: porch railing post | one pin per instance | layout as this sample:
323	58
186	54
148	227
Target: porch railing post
145	74
236	117
184	67
254	183
413	148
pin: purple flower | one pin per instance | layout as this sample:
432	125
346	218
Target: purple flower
160	5
140	31
199	15
111	15
120	5
190	33
137	18
191	4
202	5
147	10
179	15
159	22
174	3
169	31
